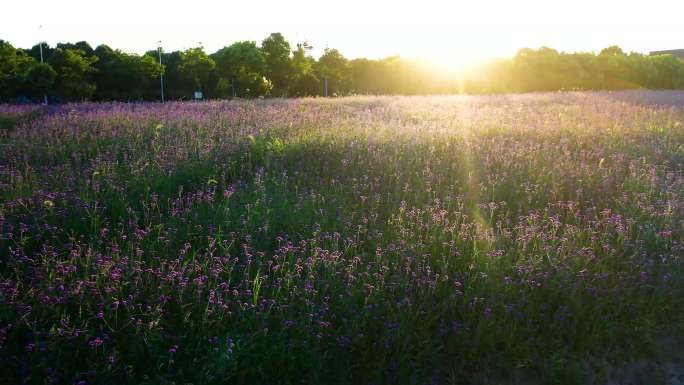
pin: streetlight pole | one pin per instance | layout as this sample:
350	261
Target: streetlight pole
40	47
161	77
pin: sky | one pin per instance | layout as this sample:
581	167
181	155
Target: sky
448	31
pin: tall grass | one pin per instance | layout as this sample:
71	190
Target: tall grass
356	240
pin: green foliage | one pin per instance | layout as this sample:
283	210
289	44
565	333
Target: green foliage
240	68
123	76
197	66
303	81
177	86
39	79
79	46
34	51
668	72
247	70
278	62
14	65
547	70
75	74
335	68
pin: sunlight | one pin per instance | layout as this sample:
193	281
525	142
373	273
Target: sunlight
341	192
361	29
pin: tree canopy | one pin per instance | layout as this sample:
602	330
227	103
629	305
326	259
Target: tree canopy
75	73
277	57
274	68
240	70
122	76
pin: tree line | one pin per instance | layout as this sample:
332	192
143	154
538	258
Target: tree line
274	68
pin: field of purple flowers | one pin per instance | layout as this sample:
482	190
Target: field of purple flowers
418	240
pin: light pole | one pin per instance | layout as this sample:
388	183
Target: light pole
161	77
40	47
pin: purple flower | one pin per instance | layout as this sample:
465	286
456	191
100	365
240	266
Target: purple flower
287	323
96	342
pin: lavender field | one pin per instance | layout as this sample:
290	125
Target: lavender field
360	240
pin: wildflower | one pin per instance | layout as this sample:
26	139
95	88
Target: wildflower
48	204
173	349
287	323
229	345
97	342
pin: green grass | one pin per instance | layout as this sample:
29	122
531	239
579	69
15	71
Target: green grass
433	240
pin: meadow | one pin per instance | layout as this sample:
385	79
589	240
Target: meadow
359	240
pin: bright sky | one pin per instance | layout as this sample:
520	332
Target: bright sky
457	30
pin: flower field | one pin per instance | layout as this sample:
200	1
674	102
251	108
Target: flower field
383	240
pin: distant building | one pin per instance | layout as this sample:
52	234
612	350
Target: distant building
677	52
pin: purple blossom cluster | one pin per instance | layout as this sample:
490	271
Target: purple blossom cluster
14	110
364	239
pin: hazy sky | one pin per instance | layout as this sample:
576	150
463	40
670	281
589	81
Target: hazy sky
447	30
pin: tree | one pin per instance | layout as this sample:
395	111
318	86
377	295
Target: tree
123	76
591	77
614	65
303	81
197	66
278	62
241	69
364	75
81	46
177	85
39	79
641	70
669	72
74	71
335	68
13	65
34	51
613	50
75	74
